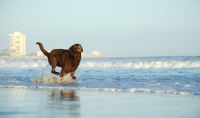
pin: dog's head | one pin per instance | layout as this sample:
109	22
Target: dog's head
76	48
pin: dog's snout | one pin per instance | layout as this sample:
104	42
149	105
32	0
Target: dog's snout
79	49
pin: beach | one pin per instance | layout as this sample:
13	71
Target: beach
22	103
100	59
141	87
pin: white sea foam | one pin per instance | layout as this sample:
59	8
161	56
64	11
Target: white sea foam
53	79
41	63
153	64
23	63
184	93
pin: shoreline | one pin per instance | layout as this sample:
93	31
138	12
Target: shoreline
104	90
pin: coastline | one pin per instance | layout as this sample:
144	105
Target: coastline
26	102
90	57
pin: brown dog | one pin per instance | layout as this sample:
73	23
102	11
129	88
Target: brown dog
68	60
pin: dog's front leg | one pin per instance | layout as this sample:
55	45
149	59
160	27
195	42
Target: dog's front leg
62	74
72	75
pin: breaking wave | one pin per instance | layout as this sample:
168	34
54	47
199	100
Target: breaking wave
109	63
153	64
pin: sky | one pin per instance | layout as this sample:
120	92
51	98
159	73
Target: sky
107	27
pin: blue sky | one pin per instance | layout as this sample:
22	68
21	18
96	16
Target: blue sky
117	27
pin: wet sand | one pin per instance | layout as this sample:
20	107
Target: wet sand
33	103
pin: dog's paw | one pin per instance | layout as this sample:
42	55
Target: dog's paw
74	77
57	73
54	72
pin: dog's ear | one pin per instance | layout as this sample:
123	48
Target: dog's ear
81	49
72	49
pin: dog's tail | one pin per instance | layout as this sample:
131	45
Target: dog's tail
42	49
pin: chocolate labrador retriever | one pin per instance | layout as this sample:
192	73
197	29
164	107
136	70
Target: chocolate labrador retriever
68	60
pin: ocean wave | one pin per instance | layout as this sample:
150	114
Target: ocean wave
153	64
23	63
41	63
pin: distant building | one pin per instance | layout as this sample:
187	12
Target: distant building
17	44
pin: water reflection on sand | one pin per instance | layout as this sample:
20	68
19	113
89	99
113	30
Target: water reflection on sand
68	95
66	102
56	103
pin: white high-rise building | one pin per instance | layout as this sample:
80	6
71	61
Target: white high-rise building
17	44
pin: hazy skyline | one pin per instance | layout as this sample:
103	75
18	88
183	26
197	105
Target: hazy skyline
117	27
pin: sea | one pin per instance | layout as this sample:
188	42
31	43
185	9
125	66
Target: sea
158	75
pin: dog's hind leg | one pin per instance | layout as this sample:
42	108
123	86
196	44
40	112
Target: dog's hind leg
53	70
53	63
